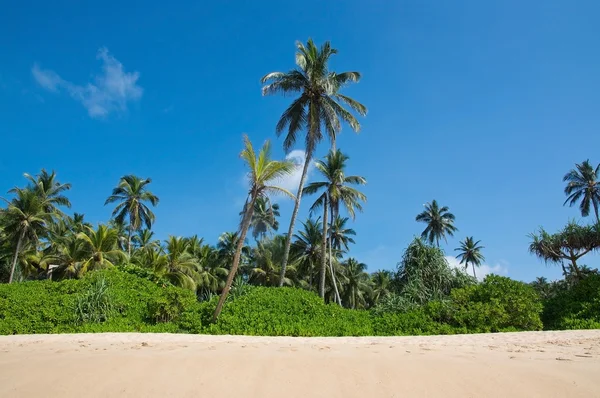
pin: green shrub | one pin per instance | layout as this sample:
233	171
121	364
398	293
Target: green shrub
577	307
104	301
287	312
497	304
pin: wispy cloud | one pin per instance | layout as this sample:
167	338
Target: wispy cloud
500	268
110	91
292	181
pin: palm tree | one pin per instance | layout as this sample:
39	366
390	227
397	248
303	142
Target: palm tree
439	223
382	284
179	266
306	249
100	249
470	253
211	273
318	107
264	218
263	171
267	262
132	193
583	185
340	235
357	284
144	239
26	217
337	190
50	191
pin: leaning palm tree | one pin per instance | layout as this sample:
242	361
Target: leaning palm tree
337	190
25	218
440	222
262	172
100	249
264	218
132	194
470	253
583	184
318	108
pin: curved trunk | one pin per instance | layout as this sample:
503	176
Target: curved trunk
324	249
15	258
288	240
236	258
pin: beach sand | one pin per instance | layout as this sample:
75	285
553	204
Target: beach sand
533	364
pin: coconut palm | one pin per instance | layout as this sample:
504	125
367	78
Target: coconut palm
262	172
132	194
440	222
179	266
340	235
382	285
470	253
25	218
211	272
264	218
50	191
357	287
336	189
306	249
145	239
267	262
100	249
317	109
583	184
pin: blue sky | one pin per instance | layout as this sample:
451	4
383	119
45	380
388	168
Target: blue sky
483	106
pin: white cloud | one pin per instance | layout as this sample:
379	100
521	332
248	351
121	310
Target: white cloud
481	271
292	181
111	90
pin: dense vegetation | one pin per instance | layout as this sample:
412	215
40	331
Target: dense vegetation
64	274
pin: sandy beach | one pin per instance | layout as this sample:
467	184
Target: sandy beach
536	364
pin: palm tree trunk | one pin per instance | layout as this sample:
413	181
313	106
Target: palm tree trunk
129	237
236	258
473	265
337	293
324	249
14	262
288	240
596	211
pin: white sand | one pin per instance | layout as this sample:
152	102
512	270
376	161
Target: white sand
538	364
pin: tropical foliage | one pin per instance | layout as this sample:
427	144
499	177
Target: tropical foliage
119	275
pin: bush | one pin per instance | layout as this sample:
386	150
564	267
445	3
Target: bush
104	301
497	304
287	312
577	307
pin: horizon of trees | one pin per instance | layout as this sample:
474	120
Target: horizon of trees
38	240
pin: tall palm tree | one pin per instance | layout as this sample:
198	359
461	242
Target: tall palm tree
470	253
100	249
132	194
264	218
340	235
440	222
583	184
263	171
337	190
25	218
317	108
